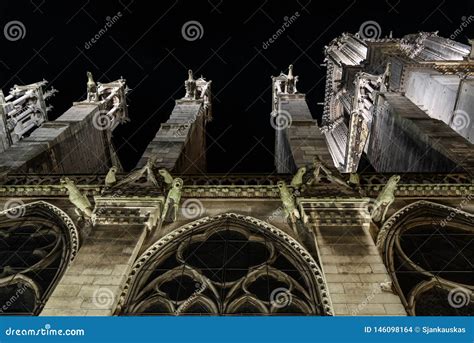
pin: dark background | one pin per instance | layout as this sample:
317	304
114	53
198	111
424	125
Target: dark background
146	47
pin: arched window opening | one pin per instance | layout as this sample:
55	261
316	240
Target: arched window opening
429	252
226	265
37	241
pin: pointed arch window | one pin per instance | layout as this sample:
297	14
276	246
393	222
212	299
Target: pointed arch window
429	252
37	241
226	265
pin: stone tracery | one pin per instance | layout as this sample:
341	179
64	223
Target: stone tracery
37	241
228	264
430	258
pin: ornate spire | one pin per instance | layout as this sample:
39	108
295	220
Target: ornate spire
283	84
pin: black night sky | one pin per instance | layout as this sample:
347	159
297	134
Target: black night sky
146	46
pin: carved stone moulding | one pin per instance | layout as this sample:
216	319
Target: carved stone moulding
231	191
142	296
424	189
428	250
337	212
122	210
38	242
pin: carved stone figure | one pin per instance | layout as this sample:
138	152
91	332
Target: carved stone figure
387	286
288	201
385	199
83	205
110	178
167	178
354	179
318	167
172	200
190	86
153	218
385	84
297	180
291	81
92	94
145	171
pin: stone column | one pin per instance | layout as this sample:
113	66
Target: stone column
92	284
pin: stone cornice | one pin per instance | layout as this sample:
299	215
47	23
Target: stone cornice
244	186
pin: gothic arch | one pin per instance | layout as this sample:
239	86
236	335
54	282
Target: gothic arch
37	242
428	249
204	268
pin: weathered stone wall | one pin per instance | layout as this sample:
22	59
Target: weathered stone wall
346	250
351	263
299	143
405	139
91	286
70	144
180	143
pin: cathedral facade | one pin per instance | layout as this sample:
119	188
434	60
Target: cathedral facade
369	212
